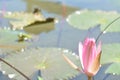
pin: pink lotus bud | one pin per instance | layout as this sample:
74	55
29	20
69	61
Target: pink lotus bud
90	56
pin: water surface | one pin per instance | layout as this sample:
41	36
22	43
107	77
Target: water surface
62	35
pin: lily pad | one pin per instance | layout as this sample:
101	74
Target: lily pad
110	53
40	26
9	40
21	19
48	60
114	69
86	19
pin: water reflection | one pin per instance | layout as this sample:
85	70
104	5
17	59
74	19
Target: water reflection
107	5
48	6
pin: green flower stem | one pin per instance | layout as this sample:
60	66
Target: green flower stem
89	78
107	27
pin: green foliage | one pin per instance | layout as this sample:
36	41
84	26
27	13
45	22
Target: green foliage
49	60
31	23
114	68
86	19
22	19
110	53
8	40
8	36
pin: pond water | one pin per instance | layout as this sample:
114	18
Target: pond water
63	35
106	5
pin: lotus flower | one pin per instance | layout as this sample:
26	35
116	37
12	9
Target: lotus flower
90	56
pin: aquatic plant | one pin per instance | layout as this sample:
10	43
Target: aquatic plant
48	61
85	19
9	40
90	56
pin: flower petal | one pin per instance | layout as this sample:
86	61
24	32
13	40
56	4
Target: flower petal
95	65
99	47
92	51
89	52
90	56
81	53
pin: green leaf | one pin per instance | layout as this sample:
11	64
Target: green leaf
9	40
110	53
114	68
40	27
22	19
30	22
49	60
86	19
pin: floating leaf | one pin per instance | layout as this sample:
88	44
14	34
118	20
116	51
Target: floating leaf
23	16
9	40
39	27
30	22
114	69
22	19
48	60
86	19
110	53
